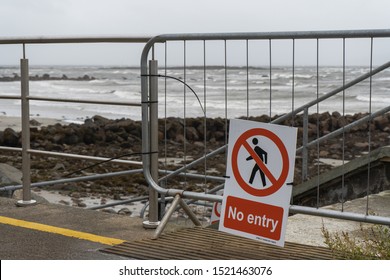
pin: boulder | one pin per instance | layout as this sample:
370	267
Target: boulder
9	175
10	138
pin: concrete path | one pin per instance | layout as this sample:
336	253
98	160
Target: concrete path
49	231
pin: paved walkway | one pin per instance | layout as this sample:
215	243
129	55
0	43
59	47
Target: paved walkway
48	231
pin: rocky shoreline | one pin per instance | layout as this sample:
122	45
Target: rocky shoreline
46	77
108	138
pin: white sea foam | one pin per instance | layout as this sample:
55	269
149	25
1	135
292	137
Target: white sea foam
123	84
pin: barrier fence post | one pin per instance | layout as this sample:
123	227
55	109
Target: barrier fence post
305	140
153	118
26	160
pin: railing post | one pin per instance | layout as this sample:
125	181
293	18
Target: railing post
304	143
153	119
26	160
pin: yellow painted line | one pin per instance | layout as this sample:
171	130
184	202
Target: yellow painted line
61	231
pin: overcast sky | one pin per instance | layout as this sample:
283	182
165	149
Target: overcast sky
143	17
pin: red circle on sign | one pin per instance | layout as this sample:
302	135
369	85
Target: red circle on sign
278	182
216	212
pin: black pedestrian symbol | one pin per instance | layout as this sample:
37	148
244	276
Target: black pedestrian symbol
263	156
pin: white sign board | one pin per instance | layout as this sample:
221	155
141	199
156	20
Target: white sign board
260	172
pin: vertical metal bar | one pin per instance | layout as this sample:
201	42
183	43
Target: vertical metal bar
153	100
165	108
270	80
369	128
185	110
318	122
343	143
304	143
226	98
26	159
293	83
205	114
164	183
247	79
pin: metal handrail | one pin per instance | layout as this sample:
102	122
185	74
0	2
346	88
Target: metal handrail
73	39
68	100
25	98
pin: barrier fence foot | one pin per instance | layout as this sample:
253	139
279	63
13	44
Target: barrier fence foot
150	225
176	201
166	217
24	203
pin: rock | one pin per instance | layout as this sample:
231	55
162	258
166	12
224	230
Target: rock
35	123
110	211
221	167
59	166
192	134
324	154
180	138
9	176
311	130
325	126
75	195
342	121
124	211
199	144
336	146
58	138
10	138
81	204
219	135
361	145
382	122
98	120
64	202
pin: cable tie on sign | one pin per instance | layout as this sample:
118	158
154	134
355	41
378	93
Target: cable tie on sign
226	176
290	184
149	102
151	75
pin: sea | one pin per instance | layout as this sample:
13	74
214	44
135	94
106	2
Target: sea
213	91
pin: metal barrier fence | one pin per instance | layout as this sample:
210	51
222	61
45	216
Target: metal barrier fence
220	76
25	98
206	79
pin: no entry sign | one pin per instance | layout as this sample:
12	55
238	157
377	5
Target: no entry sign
260	170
